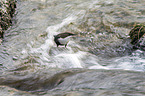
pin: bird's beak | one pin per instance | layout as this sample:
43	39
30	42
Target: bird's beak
75	34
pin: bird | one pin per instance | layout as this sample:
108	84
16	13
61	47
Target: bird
63	38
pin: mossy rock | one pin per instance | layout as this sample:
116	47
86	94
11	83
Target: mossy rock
136	33
7	10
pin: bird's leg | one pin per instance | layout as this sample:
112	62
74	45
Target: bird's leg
57	45
65	45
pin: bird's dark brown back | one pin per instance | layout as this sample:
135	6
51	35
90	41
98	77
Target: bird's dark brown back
63	35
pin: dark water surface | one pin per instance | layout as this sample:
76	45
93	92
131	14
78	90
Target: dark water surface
99	61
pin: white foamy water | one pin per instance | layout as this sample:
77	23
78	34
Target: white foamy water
69	58
52	30
62	57
63	60
133	62
80	59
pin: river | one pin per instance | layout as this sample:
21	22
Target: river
99	61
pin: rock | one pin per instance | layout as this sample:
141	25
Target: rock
137	36
7	10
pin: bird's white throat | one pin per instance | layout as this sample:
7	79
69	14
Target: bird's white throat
64	40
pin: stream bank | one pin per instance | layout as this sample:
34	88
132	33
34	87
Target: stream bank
7	11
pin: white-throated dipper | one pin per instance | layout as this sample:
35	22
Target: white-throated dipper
63	38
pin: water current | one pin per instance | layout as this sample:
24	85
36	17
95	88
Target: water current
99	61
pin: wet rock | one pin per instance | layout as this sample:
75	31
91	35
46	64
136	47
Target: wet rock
37	82
5	90
7	10
137	35
97	81
80	82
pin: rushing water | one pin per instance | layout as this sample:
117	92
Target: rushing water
99	61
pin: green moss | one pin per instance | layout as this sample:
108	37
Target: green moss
136	33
